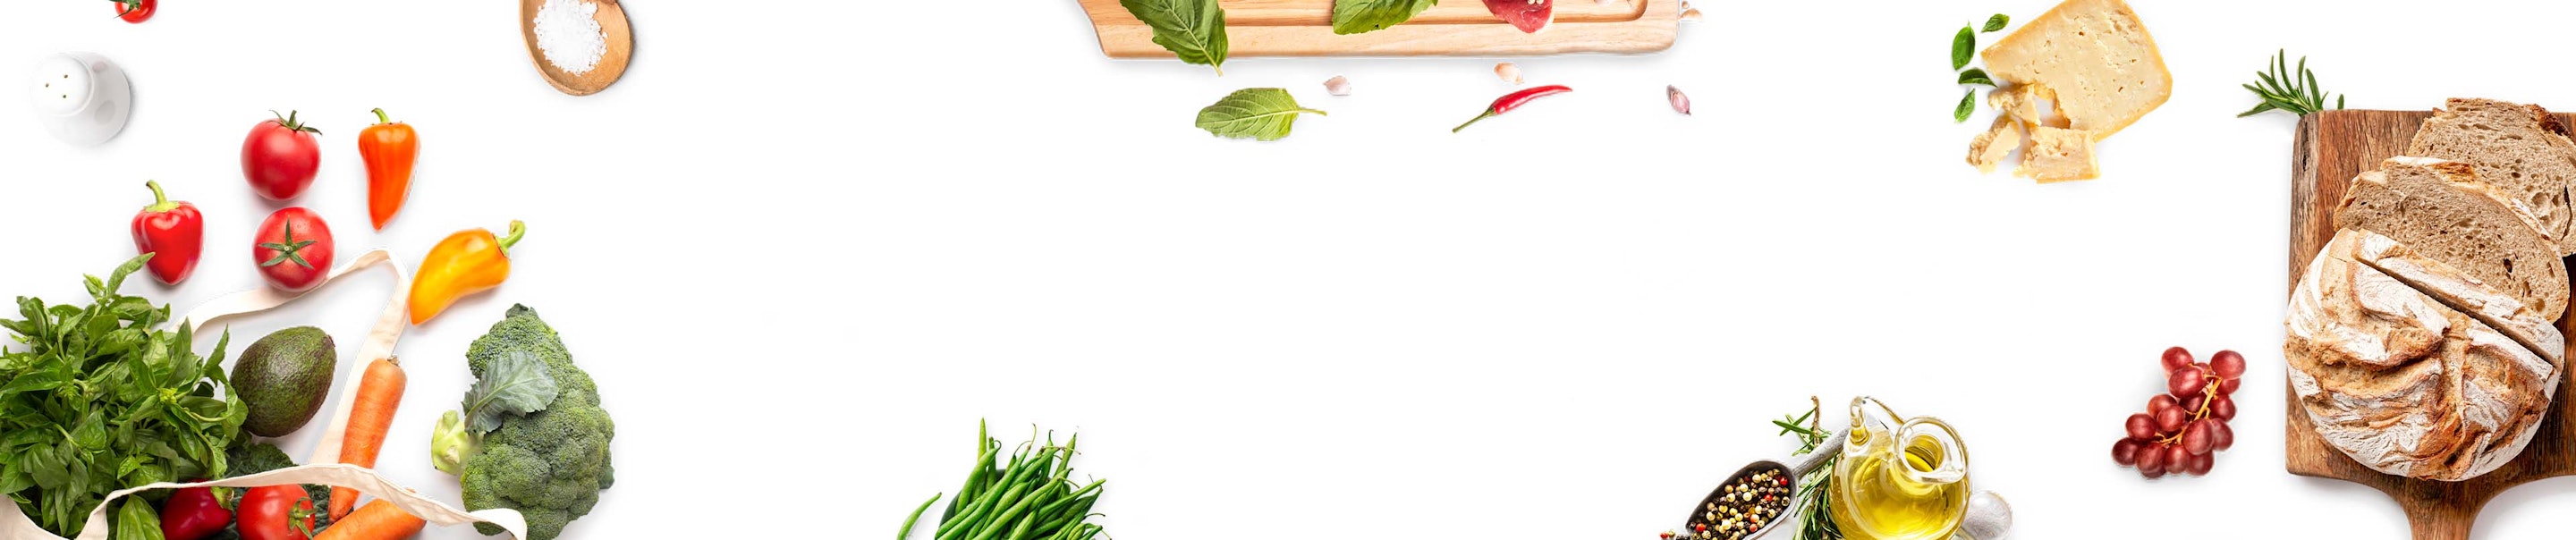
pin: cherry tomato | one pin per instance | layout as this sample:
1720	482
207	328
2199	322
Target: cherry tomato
280	157
276	513
136	11
293	249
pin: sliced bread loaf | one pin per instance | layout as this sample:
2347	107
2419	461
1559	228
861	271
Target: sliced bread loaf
2443	212
2401	383
2460	292
2522	150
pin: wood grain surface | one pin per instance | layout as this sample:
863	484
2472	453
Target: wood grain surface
1305	28
2332	147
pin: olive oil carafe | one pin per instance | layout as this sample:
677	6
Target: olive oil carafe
1899	478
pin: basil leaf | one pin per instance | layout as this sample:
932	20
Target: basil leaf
1253	113
1975	76
517	383
1967	106
1962	47
1997	22
1193	30
135	521
1363	16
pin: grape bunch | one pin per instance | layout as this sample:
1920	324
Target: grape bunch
2187	424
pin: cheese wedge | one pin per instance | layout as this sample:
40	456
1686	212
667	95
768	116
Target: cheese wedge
1990	148
2096	56
2058	155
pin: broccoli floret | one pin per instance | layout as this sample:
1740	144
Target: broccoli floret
551	464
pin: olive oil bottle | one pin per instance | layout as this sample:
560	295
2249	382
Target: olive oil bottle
1899	479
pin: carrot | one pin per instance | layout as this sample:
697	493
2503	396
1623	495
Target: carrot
380	520
379	393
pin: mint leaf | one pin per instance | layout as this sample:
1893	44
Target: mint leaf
517	383
1362	16
1253	113
1193	30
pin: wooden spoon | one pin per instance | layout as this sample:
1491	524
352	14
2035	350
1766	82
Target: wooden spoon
612	64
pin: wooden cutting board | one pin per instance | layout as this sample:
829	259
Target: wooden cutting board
2332	147
1452	28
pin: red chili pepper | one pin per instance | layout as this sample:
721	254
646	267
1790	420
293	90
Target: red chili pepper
173	232
1514	101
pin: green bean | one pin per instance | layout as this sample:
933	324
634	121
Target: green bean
975	478
1022	532
1063	516
1003	519
916	516
1068	500
1009	488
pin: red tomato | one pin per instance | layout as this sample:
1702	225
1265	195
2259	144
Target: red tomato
136	11
293	249
280	157
276	513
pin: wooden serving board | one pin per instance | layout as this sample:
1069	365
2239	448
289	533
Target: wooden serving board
2332	147
1452	28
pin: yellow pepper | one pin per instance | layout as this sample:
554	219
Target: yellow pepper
467	262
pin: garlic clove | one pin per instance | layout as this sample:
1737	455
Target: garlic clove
1681	102
1338	85
1508	72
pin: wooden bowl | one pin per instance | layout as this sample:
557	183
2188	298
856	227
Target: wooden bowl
612	64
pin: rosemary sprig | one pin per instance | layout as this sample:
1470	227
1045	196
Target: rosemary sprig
1815	521
1809	435
2282	90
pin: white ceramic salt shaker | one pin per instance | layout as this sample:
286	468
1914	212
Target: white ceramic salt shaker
81	98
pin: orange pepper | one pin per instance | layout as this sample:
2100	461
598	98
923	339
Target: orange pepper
388	148
467	262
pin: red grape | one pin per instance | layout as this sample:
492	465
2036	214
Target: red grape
2228	385
2221	436
2126	452
2176	458
2141	427
2192	404
2171	420
2186	382
2199	465
2151	461
2157	405
2228	364
2223	408
2175	358
2196	438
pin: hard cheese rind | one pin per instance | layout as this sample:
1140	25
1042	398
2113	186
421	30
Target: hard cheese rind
2096	56
2403	383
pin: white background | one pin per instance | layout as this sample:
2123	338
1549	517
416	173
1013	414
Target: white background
813	243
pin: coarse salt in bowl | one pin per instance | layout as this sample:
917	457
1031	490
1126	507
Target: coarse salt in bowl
568	34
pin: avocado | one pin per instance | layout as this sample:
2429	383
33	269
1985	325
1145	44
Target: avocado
284	377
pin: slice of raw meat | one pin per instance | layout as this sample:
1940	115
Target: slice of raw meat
1530	16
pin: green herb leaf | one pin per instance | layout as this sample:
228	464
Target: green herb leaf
1193	30
1362	16
1963	47
1253	113
1967	106
2282	90
136	521
1997	22
517	383
1975	76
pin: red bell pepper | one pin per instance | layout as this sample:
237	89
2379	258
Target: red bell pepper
193	513
173	231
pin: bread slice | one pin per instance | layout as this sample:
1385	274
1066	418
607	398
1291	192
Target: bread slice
2440	209
1990	148
2399	381
2522	150
2457	291
2058	155
2098	58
